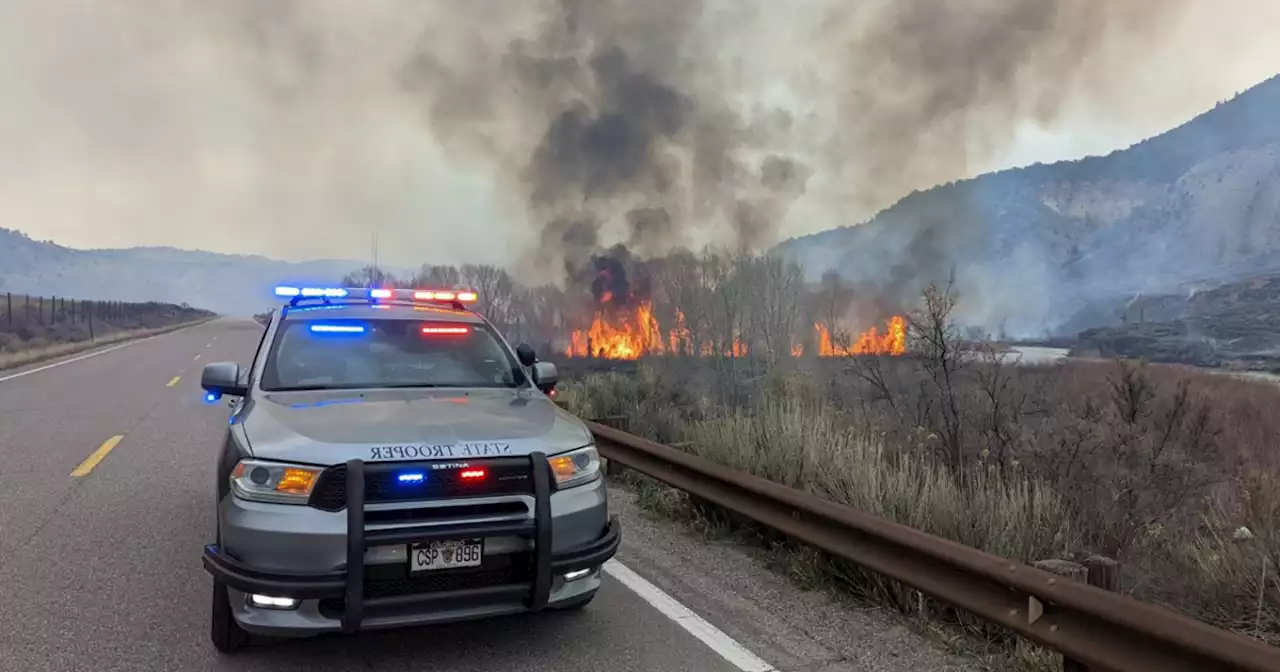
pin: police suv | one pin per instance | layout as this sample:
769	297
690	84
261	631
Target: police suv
390	461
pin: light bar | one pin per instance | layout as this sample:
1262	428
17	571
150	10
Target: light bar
337	329
326	292
463	296
379	293
445	330
473	474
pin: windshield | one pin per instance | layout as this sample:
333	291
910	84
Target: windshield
343	354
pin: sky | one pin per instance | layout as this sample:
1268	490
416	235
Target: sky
287	129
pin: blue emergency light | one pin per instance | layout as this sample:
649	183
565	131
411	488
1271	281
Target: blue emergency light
337	329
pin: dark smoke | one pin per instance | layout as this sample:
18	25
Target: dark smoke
611	121
635	138
616	278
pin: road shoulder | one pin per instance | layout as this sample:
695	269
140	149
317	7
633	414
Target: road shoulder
793	629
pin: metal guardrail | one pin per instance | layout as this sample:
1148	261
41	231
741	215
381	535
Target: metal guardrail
1088	625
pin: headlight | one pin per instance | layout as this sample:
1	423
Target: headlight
575	467
275	482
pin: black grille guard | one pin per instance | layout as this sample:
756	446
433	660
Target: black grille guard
349	585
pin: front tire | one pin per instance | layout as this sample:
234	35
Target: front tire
225	633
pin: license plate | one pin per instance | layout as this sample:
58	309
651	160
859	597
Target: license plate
448	554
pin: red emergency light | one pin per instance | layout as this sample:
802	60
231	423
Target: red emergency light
445	330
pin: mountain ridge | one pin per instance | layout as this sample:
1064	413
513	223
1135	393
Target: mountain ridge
230	284
1034	246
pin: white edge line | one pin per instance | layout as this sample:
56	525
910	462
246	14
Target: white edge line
94	353
724	645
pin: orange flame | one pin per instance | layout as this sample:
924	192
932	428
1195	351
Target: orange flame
631	334
870	342
621	335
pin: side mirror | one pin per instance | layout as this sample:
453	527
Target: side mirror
221	378
526	355
545	376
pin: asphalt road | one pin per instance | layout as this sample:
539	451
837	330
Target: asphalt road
101	571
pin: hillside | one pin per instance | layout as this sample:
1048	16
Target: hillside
1051	248
224	283
1235	324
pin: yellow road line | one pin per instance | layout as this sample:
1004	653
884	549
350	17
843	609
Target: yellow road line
174	381
93	460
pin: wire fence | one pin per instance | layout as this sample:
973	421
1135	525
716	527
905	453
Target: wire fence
25	318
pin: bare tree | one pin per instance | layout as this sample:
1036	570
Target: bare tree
831	303
443	277
935	336
689	288
727	302
368	276
775	288
495	289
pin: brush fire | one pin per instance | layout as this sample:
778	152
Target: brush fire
623	324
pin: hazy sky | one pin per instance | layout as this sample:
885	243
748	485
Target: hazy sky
285	128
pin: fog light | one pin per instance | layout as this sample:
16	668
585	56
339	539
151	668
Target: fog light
268	602
574	576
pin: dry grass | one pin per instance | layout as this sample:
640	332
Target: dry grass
41	353
1156	466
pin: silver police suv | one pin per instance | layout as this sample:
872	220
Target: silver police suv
391	461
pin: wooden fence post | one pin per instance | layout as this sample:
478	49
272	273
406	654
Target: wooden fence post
1098	571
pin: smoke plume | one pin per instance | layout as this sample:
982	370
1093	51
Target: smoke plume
610	121
615	123
931	90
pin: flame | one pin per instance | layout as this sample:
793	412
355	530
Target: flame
620	335
870	342
634	333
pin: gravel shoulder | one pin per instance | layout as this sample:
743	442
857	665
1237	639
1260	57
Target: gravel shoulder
793	629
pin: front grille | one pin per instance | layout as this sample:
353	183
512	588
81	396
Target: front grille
389	580
507	476
447	513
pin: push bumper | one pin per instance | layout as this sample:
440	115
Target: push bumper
347	588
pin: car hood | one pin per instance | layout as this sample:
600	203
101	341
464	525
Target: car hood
331	427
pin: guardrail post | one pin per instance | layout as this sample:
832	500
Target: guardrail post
1104	573
621	423
1097	571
